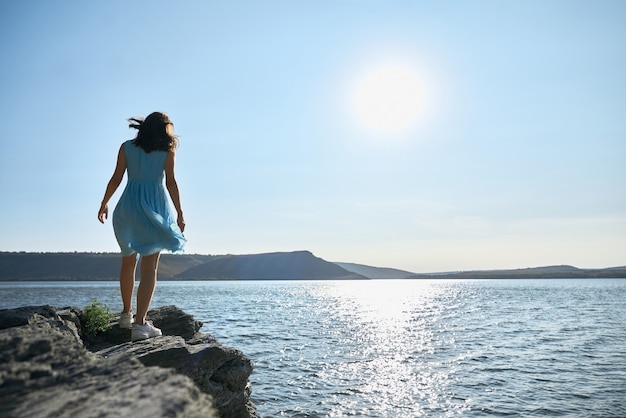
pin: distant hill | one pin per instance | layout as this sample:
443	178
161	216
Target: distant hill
298	265
376	272
83	266
549	272
61	266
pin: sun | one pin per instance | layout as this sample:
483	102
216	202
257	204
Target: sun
389	99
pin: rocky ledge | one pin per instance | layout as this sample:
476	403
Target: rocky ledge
50	367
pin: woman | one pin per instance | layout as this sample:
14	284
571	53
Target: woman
143	220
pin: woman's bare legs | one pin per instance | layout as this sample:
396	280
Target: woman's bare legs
127	281
149	266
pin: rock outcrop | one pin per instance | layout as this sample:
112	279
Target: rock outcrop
50	367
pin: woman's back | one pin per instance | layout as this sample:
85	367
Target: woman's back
142	165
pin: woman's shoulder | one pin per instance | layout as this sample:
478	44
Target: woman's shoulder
125	144
128	145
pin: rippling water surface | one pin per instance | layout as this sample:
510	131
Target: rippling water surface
405	348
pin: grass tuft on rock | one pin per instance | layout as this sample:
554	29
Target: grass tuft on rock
96	317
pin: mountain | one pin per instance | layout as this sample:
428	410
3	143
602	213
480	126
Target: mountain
298	265
549	272
83	266
62	266
375	272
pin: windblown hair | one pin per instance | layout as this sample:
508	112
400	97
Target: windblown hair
153	135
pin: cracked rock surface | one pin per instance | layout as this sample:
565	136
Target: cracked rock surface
50	367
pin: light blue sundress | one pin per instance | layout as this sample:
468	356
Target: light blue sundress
143	220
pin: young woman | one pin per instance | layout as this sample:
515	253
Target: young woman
143	220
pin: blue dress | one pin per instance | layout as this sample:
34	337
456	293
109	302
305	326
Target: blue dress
143	220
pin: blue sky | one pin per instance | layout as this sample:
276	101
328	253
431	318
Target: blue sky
515	157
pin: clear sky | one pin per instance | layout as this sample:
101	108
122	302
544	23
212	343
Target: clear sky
421	135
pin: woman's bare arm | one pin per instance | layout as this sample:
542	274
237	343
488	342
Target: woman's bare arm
172	188
113	184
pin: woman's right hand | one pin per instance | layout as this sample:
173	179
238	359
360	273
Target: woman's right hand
103	213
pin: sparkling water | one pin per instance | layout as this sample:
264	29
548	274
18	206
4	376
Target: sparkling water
404	348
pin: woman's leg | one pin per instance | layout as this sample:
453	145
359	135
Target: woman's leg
127	281
149	266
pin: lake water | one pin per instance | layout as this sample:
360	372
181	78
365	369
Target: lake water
404	348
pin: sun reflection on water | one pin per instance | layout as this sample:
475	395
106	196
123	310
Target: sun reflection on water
392	323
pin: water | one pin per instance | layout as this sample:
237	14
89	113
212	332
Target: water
405	348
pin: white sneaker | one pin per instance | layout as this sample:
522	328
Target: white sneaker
126	320
145	331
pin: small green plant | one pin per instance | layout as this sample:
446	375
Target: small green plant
96	317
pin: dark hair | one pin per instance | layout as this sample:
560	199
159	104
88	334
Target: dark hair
153	135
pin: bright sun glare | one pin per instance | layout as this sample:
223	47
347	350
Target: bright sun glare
389	99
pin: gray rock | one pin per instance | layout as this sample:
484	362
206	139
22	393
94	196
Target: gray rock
46	370
174	321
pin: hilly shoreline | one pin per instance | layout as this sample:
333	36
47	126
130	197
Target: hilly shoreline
296	265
